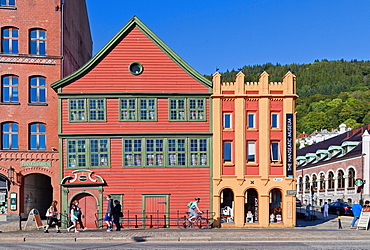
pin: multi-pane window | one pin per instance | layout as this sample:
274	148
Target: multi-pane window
37	89
9	88
176	152
198	152
165	152
37	42
251	122
37	136
196	109
9	40
96	110
78	109
341	179
275	152
132	152
133	109
227	151
251	151
7	2
307	182
351	177
322	181
300	184
227	120
82	153
274	120
331	180
314	182
154	152
10	135
183	109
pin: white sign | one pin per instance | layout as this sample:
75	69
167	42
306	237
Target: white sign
277	179
364	219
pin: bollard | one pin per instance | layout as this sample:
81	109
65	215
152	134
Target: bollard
20	222
339	223
136	226
151	221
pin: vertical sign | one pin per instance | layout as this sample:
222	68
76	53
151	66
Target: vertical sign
289	145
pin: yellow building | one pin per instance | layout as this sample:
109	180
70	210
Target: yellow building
254	152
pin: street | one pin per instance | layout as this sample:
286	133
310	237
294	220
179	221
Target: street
192	245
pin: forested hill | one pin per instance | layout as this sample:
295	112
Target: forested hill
330	92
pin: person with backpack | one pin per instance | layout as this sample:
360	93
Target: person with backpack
74	219
192	206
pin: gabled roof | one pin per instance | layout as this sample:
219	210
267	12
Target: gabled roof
134	22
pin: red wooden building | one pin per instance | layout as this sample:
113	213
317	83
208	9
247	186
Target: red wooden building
135	123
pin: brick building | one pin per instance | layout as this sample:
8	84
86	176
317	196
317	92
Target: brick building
327	171
41	42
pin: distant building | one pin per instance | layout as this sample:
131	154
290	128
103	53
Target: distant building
326	171
41	42
253	152
316	137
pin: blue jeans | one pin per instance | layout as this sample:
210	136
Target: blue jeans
355	218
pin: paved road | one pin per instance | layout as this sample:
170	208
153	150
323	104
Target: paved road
280	245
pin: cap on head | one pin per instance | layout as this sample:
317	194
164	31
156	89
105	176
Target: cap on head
197	199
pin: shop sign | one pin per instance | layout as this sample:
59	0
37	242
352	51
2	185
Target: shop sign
289	145
277	179
359	182
36	164
291	192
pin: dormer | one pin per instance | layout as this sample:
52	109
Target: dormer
322	154
311	157
347	146
334	151
300	160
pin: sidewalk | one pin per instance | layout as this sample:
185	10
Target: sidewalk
305	230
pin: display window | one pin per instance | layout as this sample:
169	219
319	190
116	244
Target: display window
275	211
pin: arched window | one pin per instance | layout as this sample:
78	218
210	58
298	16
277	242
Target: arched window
10	135
227	205
322	181
314	182
9	40
331	180
251	206
307	183
351	178
37	89
300	184
275	211
340	179
37	42
9	87
37	136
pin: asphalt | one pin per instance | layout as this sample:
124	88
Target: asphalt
320	229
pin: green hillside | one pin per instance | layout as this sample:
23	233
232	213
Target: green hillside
330	92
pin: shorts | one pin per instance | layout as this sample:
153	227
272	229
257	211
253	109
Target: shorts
193	213
108	217
51	220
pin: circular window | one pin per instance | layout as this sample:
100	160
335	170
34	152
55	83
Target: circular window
136	68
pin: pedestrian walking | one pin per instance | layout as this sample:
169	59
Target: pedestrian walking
117	214
308	212
325	210
79	215
356	209
74	219
108	216
52	213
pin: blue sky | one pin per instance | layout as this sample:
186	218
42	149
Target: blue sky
234	33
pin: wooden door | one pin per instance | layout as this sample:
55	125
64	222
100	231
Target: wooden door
155	212
88	205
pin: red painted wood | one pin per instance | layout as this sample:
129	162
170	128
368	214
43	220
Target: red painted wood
160	74
87	203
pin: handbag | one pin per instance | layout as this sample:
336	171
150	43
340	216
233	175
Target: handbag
48	213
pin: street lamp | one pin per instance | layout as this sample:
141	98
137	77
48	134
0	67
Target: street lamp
11	174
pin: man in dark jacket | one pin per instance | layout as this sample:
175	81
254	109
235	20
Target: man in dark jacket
117	213
109	214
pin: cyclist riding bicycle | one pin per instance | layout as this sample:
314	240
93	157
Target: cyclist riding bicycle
192	206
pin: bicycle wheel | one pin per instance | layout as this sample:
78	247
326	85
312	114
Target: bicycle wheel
183	223
203	223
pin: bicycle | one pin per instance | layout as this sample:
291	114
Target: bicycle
199	222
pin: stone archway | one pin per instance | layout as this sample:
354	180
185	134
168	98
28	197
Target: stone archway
37	193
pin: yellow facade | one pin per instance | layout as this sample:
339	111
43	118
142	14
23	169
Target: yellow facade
260	199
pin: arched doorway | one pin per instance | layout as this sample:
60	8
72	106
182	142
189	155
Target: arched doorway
251	206
276	208
89	208
3	195
227	206
37	193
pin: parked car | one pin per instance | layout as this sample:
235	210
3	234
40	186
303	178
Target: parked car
342	207
298	202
